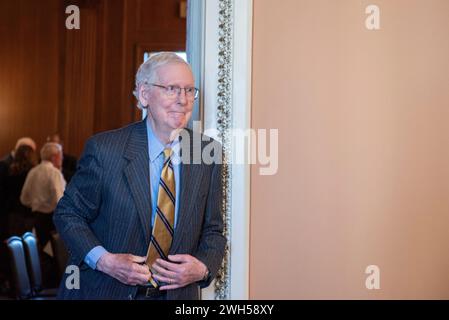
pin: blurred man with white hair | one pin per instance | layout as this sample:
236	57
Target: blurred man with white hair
69	162
43	188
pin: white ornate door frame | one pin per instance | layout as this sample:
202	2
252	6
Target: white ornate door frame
223	28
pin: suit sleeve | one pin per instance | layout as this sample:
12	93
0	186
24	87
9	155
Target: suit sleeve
212	243
80	205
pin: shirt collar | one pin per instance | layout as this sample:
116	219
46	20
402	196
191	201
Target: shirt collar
156	147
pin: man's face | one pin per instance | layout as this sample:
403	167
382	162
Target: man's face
57	160
170	113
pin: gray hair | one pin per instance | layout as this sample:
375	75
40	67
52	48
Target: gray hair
49	150
147	70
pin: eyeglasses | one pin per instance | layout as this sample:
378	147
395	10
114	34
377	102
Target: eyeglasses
175	91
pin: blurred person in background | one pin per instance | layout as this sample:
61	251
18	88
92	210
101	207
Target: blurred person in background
22	141
5	162
69	162
43	188
19	217
15	219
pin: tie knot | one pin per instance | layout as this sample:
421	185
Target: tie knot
168	152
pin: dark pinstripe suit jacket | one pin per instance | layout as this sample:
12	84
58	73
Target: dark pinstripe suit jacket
108	203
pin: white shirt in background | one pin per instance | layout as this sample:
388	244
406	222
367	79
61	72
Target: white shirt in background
44	186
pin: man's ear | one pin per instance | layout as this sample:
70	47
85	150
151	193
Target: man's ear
144	95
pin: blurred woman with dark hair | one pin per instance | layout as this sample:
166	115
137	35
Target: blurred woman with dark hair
16	218
20	217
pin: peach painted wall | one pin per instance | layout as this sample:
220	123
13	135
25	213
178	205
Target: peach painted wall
363	179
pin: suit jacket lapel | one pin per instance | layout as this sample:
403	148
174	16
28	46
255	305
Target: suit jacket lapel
138	177
191	175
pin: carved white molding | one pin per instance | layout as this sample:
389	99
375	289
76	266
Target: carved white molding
226	94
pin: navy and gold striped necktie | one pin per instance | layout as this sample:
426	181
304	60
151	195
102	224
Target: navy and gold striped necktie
163	227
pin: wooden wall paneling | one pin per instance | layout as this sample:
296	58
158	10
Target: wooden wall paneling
100	67
110	112
61	77
29	70
131	15
79	84
9	18
159	15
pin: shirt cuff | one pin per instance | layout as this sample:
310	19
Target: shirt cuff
94	255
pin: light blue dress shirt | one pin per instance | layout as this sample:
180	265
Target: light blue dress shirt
156	155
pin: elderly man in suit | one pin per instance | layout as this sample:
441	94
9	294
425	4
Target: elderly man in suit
142	218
